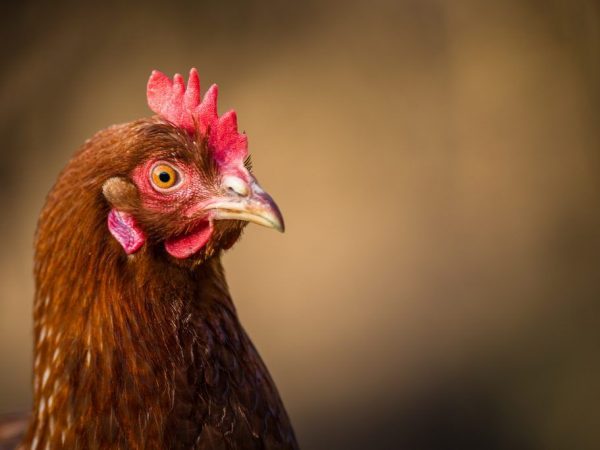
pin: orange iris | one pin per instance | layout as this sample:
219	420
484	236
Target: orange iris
164	176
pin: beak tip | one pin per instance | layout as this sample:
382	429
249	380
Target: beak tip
277	221
280	223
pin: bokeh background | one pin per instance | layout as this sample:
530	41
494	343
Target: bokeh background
437	163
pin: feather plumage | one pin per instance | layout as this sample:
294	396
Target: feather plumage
141	350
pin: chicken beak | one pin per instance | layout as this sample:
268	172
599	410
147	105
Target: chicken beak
250	204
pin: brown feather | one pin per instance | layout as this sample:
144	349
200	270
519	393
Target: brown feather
139	351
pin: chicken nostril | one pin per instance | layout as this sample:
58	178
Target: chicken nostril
236	186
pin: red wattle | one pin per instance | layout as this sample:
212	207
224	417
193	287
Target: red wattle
186	245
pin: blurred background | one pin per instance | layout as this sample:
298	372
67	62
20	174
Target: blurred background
437	163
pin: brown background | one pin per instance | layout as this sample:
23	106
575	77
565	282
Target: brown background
437	164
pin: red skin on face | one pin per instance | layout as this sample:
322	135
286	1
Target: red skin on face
188	188
181	105
167	200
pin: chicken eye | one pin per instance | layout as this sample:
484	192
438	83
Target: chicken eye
164	176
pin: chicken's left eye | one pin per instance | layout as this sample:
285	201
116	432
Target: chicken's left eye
164	176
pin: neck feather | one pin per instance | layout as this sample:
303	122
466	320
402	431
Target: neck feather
110	330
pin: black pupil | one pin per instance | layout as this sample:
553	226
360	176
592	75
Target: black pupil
164	177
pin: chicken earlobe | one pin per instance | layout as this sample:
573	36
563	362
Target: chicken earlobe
122	195
124	229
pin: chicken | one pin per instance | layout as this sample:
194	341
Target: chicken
137	341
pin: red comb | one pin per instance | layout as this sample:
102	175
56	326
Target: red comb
181	106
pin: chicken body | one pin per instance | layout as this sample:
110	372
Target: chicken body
142	349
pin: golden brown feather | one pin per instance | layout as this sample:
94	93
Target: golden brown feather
140	351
